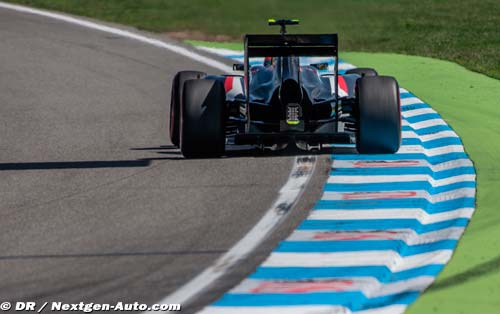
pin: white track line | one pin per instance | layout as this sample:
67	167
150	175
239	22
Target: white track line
425	124
397	213
288	195
410	101
391	309
299	309
389	258
431	152
417	112
430	137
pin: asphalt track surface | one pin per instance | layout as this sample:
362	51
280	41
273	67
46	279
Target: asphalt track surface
96	205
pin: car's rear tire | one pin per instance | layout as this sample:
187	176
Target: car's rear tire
203	117
379	115
175	101
362	72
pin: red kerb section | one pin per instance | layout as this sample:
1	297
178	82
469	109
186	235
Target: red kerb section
386	163
346	236
378	195
302	286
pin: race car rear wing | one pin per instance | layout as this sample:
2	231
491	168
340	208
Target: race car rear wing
284	45
321	45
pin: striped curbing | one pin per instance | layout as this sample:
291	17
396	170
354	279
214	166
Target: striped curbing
383	230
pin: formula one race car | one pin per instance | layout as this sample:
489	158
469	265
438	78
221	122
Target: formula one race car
285	96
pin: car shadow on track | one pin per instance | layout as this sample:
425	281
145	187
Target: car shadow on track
54	165
111	254
253	152
167	152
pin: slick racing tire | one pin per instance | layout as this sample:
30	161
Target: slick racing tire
175	101
362	72
379	115
203	116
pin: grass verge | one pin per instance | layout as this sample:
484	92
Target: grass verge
470	103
